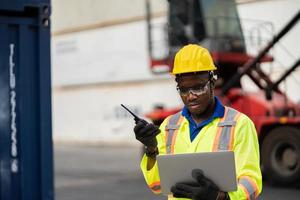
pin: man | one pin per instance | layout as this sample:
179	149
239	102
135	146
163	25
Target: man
203	125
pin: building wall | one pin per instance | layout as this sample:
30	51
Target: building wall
93	113
93	72
110	54
77	15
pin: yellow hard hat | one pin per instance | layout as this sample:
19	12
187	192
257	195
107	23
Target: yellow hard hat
192	58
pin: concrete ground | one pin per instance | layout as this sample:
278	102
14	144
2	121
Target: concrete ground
85	172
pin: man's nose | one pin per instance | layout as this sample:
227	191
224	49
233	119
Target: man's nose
191	95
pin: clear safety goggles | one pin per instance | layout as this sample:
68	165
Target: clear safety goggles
197	90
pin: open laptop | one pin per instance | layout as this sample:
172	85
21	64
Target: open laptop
217	166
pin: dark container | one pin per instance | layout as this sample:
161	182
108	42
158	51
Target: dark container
26	154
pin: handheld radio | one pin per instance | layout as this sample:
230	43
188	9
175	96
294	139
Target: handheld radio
136	118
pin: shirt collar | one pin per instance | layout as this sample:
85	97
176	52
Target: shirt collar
218	111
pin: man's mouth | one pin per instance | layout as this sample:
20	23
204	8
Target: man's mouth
193	105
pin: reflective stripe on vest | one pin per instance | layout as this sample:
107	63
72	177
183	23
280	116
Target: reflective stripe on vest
155	187
225	132
224	136
249	187
171	131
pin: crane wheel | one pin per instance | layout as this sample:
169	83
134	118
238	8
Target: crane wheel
280	156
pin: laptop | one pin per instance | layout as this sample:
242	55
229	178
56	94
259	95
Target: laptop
217	166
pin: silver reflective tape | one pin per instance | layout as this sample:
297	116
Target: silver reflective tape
248	187
172	127
172	123
227	123
156	187
230	115
224	140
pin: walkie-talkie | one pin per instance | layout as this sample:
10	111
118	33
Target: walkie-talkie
136	118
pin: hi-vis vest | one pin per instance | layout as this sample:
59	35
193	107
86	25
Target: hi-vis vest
234	132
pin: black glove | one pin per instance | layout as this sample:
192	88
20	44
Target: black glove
201	189
146	133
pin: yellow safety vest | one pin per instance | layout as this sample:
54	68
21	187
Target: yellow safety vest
233	132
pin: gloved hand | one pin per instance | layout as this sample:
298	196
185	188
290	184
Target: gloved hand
202	189
146	133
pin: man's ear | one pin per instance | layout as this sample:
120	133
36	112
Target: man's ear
215	77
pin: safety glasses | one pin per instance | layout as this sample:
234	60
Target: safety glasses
197	90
